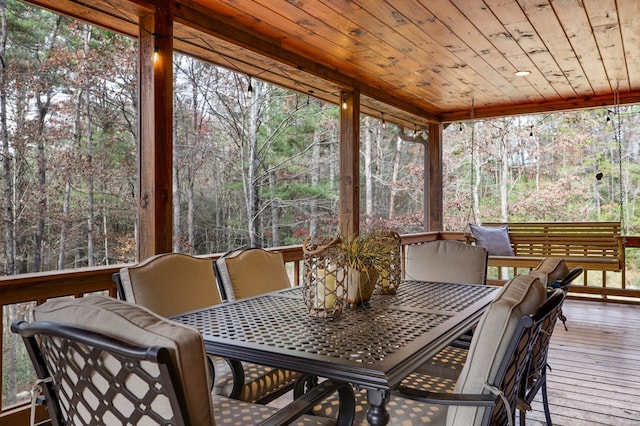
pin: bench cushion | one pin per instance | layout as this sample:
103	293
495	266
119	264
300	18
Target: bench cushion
495	239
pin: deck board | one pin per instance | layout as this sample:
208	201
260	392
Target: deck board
595	376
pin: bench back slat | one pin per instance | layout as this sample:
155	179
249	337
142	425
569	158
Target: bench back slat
565	239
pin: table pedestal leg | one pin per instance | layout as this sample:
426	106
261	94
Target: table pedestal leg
378	414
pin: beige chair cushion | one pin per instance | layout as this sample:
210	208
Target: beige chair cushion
171	283
137	325
521	296
248	273
551	269
446	261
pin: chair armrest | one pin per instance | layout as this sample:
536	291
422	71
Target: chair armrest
447	398
304	403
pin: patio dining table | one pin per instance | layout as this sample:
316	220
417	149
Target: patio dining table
373	346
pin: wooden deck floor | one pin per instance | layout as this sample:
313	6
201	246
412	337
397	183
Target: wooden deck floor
595	377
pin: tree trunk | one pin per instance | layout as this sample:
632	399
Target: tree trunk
63	222
477	170
275	212
105	233
368	172
177	195
9	225
89	136
253	188
191	209
315	181
394	178
504	179
43	108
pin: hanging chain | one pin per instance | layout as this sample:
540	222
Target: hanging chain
618	139
471	217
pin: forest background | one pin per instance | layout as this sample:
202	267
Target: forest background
260	167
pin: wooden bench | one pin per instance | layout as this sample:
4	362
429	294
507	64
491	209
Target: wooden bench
596	246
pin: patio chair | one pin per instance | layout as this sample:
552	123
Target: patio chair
173	283
250	272
487	390
100	360
554	273
536	377
446	261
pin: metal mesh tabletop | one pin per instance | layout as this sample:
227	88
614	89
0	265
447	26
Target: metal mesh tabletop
435	296
373	340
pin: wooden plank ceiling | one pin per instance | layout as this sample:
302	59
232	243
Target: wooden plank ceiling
415	61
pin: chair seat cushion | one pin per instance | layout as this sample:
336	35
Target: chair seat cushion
233	412
439	374
137	325
260	380
402	411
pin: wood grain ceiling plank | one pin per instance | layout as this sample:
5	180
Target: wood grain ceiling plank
520	38
517	42
189	41
221	26
455	75
262	20
443	61
376	60
122	19
491	28
355	21
573	18
603	16
629	15
552	52
459	36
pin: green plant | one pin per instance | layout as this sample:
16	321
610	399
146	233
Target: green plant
366	251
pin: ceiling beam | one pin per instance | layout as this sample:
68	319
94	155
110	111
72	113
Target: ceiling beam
539	108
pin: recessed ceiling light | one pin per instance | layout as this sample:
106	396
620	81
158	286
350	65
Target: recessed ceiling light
522	73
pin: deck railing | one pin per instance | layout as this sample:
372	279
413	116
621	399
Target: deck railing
19	293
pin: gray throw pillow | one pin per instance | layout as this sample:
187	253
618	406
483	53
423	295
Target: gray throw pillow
494	238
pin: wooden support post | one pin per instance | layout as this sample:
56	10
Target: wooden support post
350	162
433	214
155	142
